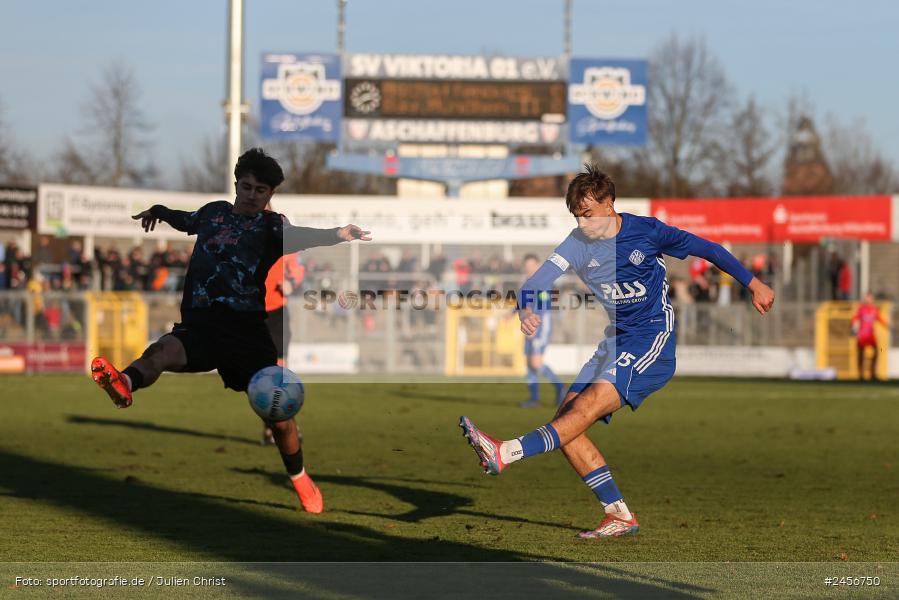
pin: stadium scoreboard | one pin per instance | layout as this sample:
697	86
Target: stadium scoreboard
397	98
446	99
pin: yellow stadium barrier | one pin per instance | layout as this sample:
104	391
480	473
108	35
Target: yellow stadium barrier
117	326
483	341
835	345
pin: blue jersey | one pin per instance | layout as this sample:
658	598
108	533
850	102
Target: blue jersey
543	307
627	274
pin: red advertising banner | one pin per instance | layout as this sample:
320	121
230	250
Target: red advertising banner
799	219
43	357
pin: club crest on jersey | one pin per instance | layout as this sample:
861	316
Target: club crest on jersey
636	257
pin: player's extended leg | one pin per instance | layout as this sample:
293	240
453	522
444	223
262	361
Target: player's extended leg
579	411
544	370
874	354
588	462
288	442
575	416
533	387
860	351
278	324
166	354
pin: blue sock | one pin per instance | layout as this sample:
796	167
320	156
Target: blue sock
543	439
533	385
550	376
602	484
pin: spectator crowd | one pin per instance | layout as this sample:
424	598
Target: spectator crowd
163	270
706	283
108	270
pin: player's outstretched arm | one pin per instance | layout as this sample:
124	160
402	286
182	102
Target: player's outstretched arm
348	233
147	221
529	294
680	244
298	238
180	220
530	321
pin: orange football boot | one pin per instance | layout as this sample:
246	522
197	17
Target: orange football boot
111	381
310	495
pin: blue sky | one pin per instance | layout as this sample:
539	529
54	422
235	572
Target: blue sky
838	54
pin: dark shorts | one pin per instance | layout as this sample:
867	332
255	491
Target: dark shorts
278	324
236	349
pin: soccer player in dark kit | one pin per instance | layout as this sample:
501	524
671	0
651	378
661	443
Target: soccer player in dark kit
223	307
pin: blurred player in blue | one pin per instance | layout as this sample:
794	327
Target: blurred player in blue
535	346
619	257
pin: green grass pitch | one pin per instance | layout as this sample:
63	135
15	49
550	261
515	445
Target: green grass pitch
718	471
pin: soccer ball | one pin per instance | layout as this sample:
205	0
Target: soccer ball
276	393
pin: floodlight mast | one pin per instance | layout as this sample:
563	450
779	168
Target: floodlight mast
453	170
341	47
341	26
566	59
235	107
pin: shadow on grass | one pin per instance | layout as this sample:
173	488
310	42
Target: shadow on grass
426	503
208	529
148	426
805	383
490	397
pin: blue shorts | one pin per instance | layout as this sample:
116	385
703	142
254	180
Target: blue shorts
532	347
538	343
637	364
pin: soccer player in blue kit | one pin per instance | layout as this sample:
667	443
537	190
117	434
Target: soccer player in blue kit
619	257
535	345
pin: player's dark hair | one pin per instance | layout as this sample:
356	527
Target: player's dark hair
592	183
260	165
530	256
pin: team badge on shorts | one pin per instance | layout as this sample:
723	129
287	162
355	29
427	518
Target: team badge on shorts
637	257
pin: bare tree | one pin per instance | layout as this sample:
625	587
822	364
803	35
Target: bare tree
749	150
113	146
207	172
547	186
689	96
633	176
858	166
806	170
306	172
304	165
5	149
72	167
16	165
